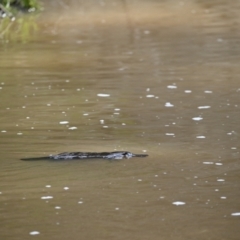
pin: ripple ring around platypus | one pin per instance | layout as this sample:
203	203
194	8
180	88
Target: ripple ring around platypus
88	155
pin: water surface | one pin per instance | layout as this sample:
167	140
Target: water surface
155	77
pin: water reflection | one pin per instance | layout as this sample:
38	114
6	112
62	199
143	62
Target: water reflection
163	79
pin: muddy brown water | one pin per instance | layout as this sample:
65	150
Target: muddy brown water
160	77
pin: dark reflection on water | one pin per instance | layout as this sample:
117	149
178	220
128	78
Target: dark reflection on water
168	77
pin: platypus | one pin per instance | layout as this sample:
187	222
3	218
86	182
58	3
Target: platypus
89	155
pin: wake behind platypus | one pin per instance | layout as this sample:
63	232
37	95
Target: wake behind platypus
89	155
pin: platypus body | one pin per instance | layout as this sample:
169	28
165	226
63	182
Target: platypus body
89	155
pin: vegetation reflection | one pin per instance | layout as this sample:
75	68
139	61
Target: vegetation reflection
15	24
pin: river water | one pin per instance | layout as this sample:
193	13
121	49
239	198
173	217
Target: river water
160	77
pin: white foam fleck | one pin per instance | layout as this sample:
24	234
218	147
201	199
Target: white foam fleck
63	122
48	186
80	202
223	197
172	86
47	197
178	203
233	148
168	104
72	128
204	107
218	164
148	89
103	95
150	96
66	188
170	134
102	121
220	180
139	180
3	131
200	137
57	207
188	91
207	91
208	162
197	118
85	114
34	233
117	109
105	126
117	208
236	214
19	133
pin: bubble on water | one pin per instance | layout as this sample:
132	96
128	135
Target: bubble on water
197	118
178	203
168	104
72	128
150	96
200	137
236	214
46	197
172	86
204	107
34	233
63	122
170	134
103	95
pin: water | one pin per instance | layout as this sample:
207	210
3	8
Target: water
156	77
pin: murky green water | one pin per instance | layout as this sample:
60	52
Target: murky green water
170	74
